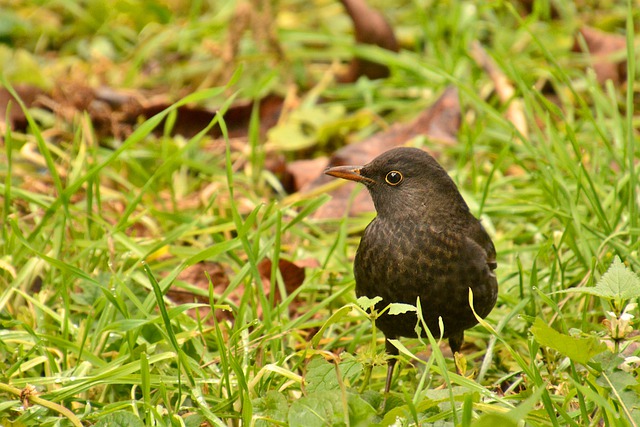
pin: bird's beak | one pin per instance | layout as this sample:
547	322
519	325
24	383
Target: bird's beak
352	173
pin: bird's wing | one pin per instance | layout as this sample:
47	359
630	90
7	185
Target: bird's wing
480	236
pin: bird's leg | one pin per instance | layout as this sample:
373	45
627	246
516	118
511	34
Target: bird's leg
455	342
391	362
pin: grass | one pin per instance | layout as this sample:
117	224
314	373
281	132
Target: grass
96	230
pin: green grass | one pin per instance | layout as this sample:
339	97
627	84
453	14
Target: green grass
95	230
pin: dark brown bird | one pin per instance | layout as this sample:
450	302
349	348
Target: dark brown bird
424	243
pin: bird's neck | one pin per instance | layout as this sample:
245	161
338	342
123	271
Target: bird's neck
431	207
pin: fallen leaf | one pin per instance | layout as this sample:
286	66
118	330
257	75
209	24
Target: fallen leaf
191	119
370	27
304	172
116	112
292	274
441	122
602	48
503	87
17	120
195	276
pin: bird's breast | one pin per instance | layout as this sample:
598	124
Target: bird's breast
401	262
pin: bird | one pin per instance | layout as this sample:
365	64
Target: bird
423	243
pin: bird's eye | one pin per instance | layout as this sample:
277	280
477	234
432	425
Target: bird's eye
393	178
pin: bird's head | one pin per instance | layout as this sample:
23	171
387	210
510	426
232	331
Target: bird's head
405	182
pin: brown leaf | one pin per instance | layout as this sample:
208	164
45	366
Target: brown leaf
195	276
115	112
441	121
292	275
370	27
503	87
17	120
303	172
602	46
191	119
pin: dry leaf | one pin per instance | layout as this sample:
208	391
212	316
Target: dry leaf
503	87
195	276
370	27
17	121
602	46
292	275
305	171
441	121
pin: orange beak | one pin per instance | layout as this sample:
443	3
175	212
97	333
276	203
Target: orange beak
352	173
